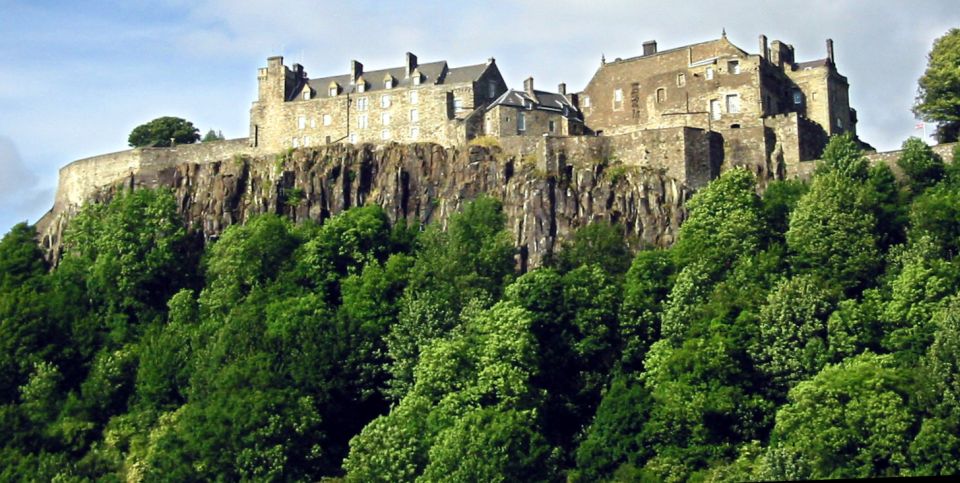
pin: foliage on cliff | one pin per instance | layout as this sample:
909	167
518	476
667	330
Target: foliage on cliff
812	332
938	94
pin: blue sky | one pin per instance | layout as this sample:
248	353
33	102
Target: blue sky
78	76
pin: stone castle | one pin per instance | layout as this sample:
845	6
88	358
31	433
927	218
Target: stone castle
689	111
411	138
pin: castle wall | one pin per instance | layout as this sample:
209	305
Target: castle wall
805	170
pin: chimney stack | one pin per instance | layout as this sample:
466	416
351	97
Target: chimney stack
830	50
528	85
411	64
356	70
649	47
763	46
562	89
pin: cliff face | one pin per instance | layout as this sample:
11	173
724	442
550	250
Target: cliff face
418	183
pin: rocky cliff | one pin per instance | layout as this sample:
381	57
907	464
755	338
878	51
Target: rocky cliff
417	183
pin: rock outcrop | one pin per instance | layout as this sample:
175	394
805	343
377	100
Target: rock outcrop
416	183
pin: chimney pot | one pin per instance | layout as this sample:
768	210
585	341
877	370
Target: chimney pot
830	50
763	46
650	47
356	70
562	89
411	64
528	85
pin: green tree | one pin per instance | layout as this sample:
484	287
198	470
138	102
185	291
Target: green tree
935	213
852	420
213	136
938	92
922	166
832	231
599	243
844	156
614	437
161	131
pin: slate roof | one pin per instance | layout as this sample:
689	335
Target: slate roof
541	100
432	72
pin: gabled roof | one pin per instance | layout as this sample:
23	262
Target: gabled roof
541	100
432	72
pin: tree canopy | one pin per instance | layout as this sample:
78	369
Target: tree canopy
938	92
160	131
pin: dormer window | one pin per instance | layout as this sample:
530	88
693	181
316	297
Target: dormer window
307	93
333	89
388	82
416	76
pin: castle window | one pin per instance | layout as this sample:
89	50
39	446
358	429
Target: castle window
414	115
385	101
797	97
362	121
552	126
586	101
733	103
733	67
681	80
491	89
617	99
709	73
839	123
296	142
416	79
521	122
458	105
414	133
388	84
306	94
353	138
361	103
306	141
327	120
313	122
414	97
301	122
385	134
661	95
715	109
385	119
333	91
361	87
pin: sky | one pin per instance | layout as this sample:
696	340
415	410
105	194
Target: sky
78	76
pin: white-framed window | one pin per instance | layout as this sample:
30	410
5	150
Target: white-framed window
353	138
521	122
414	132
388	84
313	122
296	142
417	79
709	73
362	121
617	99
715	109
362	87
458	104
301	122
586	101
839	123
361	103
385	101
327	119
733	67
306	94
414	97
733	103
491	89
385	118
414	115
332	91
488	126
661	95
797	97
306	141
552	126
681	79
385	134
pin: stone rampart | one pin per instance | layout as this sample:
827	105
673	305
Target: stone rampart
804	170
